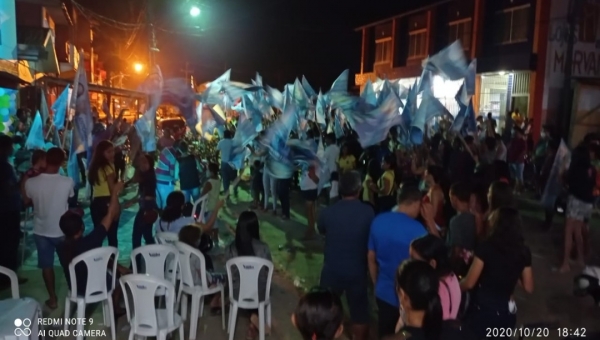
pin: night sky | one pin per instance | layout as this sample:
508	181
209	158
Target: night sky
280	39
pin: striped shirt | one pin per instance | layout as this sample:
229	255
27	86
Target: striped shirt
166	168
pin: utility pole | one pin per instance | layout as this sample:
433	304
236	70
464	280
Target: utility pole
566	102
152	46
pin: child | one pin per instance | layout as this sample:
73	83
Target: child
257	184
38	164
191	235
319	315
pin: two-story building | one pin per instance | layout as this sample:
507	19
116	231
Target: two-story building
519	46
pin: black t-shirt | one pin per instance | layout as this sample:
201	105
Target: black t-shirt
189	176
501	272
147	185
88	242
450	331
581	179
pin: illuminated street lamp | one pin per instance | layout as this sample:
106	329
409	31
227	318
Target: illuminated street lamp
138	67
195	11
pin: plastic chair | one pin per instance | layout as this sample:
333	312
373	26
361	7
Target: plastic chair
166	237
14	281
97	263
197	292
160	260
143	316
201	202
249	268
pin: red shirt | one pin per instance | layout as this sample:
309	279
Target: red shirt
516	151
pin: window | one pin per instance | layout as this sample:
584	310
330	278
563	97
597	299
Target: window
417	44
512	25
588	26
383	51
460	30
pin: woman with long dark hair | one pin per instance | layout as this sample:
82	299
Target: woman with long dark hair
417	285
433	250
172	218
247	243
147	213
501	261
102	178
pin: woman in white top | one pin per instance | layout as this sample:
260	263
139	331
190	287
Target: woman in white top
309	184
172	218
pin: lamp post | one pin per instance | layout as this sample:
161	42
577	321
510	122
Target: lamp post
195	11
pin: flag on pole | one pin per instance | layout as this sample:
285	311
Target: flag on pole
35	138
59	108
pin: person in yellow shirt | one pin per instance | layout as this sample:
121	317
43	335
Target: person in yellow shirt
386	185
347	161
102	178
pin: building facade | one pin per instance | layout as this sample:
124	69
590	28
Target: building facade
519	46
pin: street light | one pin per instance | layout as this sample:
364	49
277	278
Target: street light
138	67
195	11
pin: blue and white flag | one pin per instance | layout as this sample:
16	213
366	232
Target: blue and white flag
426	81
252	113
180	94
275	98
341	83
59	108
72	163
450	62
244	134
44	108
210	120
430	108
310	92
35	138
368	95
300	97
377	126
213	94
80	111
470	77
320	111
145	126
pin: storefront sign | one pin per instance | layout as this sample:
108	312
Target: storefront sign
8	30
585	63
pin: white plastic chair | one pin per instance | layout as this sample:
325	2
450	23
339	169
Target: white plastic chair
197	292
97	263
160	260
166	237
145	319
249	268
201	202
14	281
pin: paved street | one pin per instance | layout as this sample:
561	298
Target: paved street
298	267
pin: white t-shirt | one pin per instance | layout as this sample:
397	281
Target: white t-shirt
49	194
224	147
306	183
501	152
332	153
175	226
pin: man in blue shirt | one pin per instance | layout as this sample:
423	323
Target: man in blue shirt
346	225
389	243
10	208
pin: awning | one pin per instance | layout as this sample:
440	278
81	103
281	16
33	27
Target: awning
95	88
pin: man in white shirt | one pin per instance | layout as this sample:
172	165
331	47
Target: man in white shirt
332	154
228	173
49	192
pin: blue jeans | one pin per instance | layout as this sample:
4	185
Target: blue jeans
516	171
46	247
163	190
191	195
140	227
283	191
99	209
228	175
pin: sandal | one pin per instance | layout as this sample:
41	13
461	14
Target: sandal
251	332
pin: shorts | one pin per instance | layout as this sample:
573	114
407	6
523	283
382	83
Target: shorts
356	291
46	247
516	171
309	195
579	210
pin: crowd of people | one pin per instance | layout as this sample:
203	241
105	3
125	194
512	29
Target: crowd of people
435	228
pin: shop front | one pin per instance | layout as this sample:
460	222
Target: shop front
503	93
